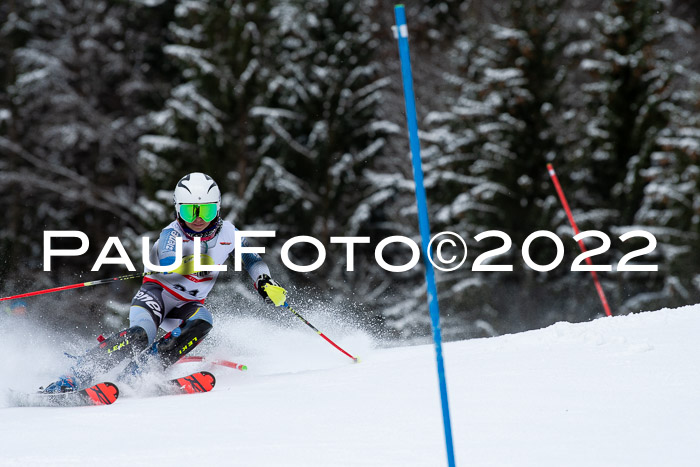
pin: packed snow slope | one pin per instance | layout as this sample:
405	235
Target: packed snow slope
621	391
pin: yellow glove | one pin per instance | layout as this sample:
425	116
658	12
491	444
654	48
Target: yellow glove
271	290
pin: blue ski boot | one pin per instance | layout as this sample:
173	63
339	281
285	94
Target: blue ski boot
64	384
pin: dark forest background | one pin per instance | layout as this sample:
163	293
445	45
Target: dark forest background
296	109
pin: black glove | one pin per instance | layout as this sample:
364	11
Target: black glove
270	290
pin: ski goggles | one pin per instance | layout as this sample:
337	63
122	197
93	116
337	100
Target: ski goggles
190	212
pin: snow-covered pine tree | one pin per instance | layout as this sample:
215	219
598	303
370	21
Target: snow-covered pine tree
78	75
629	82
486	154
670	206
220	53
69	128
633	156
13	34
324	134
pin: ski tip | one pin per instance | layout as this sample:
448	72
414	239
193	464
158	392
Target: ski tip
202	381
212	382
103	393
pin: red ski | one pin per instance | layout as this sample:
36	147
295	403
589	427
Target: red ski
202	381
101	393
97	394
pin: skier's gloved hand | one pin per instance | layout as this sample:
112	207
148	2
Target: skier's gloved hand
270	290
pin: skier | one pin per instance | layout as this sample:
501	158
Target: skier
173	299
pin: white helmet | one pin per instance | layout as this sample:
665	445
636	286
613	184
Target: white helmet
198	189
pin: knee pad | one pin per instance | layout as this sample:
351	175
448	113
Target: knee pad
176	344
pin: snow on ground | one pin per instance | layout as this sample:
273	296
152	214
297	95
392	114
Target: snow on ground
620	391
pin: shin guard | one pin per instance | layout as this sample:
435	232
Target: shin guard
180	341
110	352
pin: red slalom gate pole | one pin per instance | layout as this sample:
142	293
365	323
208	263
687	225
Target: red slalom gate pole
562	198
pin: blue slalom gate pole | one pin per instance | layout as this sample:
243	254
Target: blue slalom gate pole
402	35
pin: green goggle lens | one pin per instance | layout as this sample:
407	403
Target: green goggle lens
190	212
